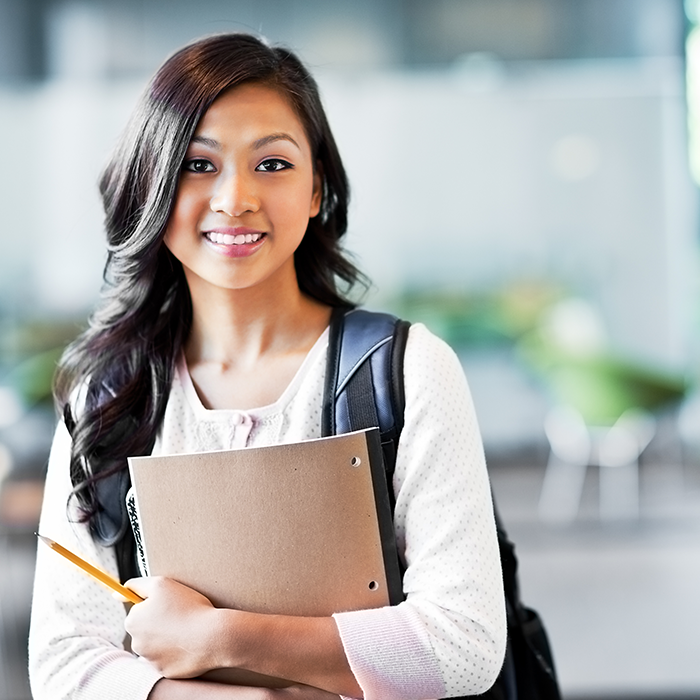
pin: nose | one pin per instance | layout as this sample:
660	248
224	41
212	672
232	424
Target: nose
234	194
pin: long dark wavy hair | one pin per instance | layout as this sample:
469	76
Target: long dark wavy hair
119	371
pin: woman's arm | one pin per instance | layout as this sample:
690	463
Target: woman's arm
76	639
76	642
183	636
448	638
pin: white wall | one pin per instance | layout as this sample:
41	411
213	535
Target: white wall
573	172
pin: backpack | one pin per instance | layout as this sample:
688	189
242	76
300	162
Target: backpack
364	389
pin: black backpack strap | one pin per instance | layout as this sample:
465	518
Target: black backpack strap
364	377
364	385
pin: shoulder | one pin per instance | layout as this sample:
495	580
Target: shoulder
422	340
437	393
429	360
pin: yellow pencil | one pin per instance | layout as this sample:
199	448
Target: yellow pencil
93	571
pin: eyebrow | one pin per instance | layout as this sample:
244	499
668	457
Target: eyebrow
281	136
259	143
212	143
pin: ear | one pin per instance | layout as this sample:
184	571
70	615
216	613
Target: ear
317	194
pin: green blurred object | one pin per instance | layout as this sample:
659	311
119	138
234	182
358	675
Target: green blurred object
29	353
33	377
464	318
600	386
576	372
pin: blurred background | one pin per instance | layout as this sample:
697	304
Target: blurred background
524	181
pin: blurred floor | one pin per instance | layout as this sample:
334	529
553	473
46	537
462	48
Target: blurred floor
17	554
620	601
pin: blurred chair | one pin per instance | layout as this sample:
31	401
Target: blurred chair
603	415
574	446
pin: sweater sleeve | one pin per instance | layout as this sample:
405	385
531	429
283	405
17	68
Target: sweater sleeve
448	637
76	639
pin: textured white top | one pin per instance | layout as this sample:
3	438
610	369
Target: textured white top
447	638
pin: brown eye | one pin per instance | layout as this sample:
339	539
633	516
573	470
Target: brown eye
273	165
199	165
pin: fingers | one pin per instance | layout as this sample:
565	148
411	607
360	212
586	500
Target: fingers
145	585
173	627
302	692
119	597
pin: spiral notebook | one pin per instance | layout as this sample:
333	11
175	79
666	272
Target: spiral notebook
297	529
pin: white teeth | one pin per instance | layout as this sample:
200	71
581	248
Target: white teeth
228	239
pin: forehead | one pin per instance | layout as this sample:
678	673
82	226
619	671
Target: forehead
250	111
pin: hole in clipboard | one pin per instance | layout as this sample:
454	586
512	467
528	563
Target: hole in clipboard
355	462
373	585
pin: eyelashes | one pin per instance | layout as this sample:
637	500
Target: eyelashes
269	165
198	165
274	165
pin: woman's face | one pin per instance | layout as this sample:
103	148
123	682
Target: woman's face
246	192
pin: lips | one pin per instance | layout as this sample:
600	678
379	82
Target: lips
237	238
235	241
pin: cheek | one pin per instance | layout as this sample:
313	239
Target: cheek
171	228
182	219
178	234
181	211
167	240
296	208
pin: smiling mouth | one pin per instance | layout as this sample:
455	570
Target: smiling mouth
229	239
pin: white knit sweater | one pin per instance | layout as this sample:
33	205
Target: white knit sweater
447	638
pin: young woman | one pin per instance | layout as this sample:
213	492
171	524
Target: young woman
225	204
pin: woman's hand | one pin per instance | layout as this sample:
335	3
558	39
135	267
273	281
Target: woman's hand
185	690
301	692
166	689
174	627
183	635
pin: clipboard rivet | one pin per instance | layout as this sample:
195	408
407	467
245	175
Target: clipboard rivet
355	462
373	586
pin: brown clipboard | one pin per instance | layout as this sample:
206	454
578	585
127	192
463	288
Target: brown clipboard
296	529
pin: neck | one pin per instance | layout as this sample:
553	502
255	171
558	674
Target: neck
238	327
